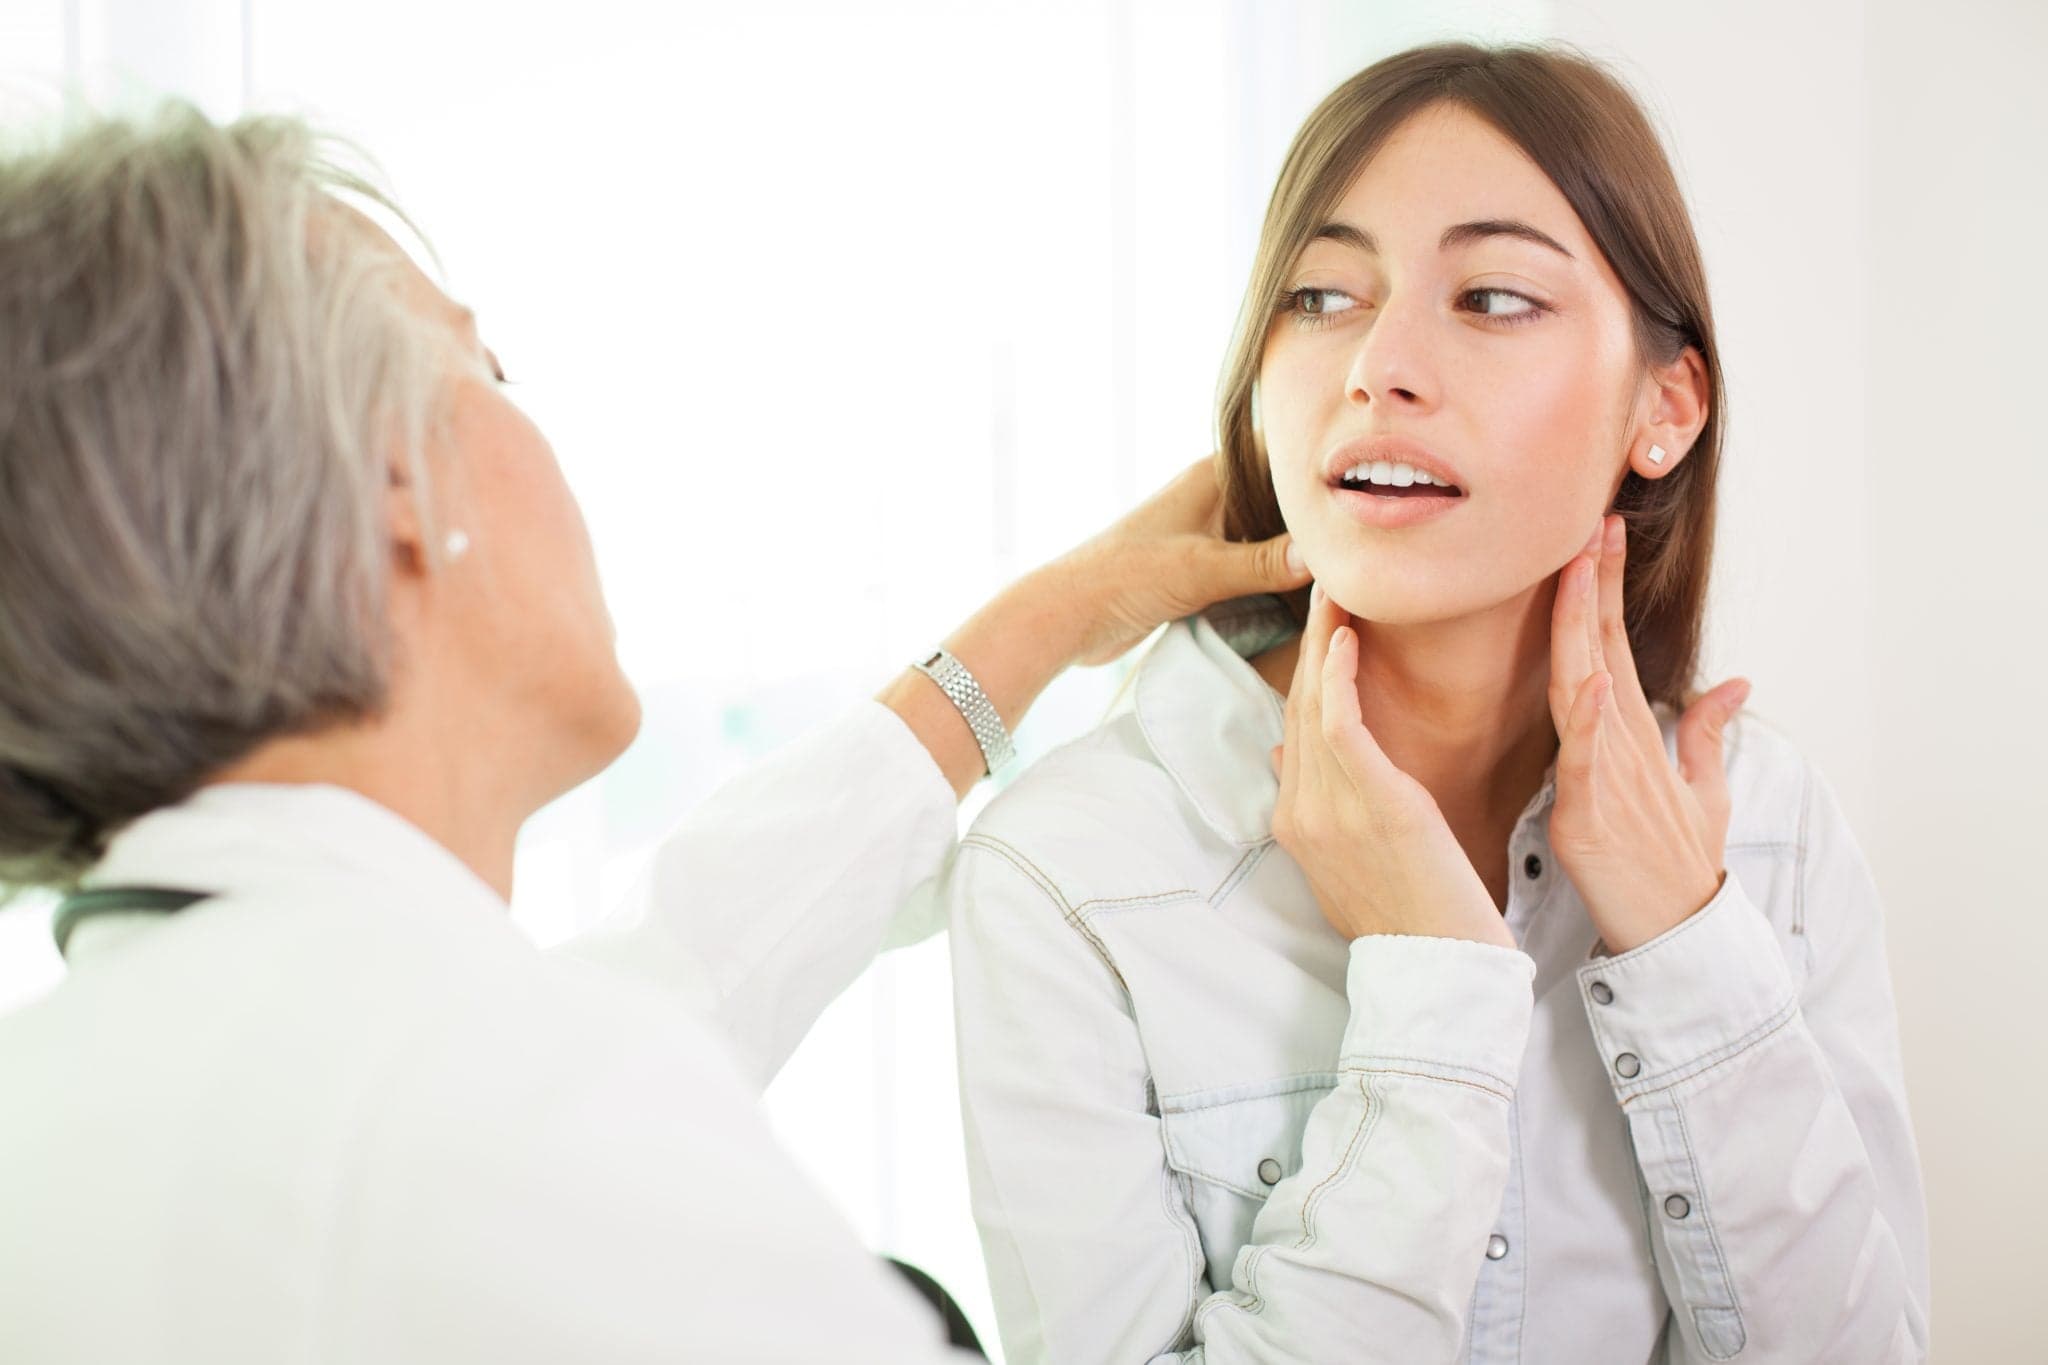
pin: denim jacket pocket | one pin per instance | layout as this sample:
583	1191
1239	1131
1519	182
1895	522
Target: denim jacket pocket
1229	1147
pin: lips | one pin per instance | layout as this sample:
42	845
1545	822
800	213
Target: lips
1418	490
1390	449
1391	509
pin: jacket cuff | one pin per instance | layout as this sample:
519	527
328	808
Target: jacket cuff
1696	995
1443	1007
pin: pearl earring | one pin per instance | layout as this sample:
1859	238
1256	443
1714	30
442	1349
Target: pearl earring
457	544
1656	454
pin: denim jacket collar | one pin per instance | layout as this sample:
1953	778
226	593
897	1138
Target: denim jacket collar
1212	720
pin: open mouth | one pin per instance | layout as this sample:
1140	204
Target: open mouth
1383	480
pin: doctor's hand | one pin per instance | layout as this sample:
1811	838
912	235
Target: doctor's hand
1163	560
1641	840
1377	851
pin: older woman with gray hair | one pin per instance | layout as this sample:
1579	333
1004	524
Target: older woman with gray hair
298	624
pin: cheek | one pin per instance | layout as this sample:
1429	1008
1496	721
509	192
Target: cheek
548	605
1294	385
1550	422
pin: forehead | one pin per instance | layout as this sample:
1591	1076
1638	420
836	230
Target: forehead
1444	164
425	297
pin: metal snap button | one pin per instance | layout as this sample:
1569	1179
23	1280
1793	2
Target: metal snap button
1532	865
1677	1205
1627	1065
1269	1171
1496	1247
1602	993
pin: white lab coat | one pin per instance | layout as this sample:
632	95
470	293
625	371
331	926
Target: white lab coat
344	1111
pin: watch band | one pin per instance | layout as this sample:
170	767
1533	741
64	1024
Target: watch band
975	708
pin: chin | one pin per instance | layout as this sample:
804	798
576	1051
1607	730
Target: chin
600	722
1385	601
620	725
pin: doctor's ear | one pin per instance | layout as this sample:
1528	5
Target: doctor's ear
416	550
1677	396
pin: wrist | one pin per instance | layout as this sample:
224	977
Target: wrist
1018	642
1627	937
1036	628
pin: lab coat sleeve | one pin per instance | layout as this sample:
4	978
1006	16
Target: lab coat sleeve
767	901
1369	1252
577	1171
1770	1126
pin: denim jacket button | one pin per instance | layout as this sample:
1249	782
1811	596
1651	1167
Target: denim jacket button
1627	1065
1496	1247
1269	1171
1602	993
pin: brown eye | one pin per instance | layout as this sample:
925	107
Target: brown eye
1506	305
1321	303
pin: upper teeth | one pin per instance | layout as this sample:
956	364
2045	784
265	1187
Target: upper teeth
1398	475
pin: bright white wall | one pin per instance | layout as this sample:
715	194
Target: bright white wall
1956	117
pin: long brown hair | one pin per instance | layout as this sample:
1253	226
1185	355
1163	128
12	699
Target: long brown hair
1586	131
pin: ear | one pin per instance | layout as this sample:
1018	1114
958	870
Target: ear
403	526
1677	398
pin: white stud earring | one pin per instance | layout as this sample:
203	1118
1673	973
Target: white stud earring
1656	454
457	544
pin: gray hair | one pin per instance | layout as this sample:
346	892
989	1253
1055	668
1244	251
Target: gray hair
204	379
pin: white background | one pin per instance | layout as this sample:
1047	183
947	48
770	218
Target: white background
841	314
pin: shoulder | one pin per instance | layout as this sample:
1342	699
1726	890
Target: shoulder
1789	841
1101	818
1770	782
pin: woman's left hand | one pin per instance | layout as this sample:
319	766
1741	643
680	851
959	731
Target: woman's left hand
1641	841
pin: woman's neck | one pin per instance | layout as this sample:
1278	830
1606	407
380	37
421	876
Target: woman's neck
1462	706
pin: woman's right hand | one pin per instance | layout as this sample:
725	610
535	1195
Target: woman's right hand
1377	852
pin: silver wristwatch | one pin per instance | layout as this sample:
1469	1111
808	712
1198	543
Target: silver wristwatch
975	708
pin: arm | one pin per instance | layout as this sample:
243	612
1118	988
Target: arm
1367	1253
569	1170
768	901
1784	1194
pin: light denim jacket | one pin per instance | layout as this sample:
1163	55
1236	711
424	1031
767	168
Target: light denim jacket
1202	1126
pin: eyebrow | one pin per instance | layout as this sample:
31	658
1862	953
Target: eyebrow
1458	234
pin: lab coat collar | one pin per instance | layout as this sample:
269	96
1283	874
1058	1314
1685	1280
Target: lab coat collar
281	841
1212	720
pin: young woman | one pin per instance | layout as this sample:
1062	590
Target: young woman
1499	996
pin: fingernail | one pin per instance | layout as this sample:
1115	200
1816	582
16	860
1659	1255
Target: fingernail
1315	593
1295	563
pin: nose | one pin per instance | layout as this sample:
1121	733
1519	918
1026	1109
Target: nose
1391	365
